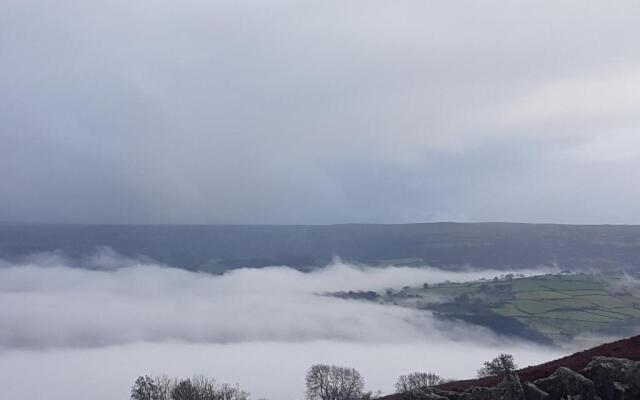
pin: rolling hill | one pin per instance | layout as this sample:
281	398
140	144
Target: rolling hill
544	308
216	248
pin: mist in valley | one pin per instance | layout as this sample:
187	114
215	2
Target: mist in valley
98	324
180	179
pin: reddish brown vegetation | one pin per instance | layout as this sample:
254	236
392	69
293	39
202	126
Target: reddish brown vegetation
626	348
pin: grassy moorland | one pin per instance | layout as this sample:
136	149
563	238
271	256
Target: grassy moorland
544	307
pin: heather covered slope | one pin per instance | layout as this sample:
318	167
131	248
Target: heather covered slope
216	248
626	349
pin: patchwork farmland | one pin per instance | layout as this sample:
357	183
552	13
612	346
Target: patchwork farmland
543	307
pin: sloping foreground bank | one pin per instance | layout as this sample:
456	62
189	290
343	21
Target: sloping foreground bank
604	378
608	372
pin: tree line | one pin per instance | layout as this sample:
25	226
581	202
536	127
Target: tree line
323	382
198	387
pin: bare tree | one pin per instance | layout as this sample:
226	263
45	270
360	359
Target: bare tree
185	390
205	387
331	382
417	380
164	385
144	388
504	364
198	387
231	392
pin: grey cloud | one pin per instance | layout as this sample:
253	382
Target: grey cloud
253	112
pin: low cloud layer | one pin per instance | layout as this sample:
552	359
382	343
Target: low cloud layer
120	300
270	369
260	327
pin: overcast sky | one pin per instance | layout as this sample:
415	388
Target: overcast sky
330	111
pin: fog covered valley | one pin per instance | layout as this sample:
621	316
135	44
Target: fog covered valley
107	319
293	196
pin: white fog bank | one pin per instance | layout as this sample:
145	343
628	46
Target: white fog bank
266	369
90	332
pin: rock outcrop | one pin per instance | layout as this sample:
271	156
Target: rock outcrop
532	392
614	378
567	384
604	378
425	393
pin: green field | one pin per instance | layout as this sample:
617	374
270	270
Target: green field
542	307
